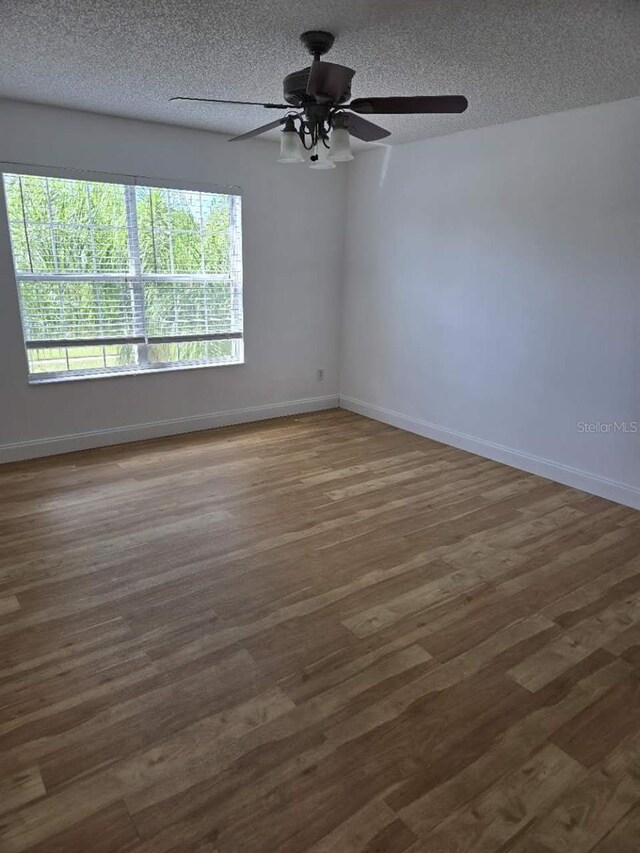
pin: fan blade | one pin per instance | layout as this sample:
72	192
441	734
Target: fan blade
418	104
245	103
259	130
365	130
328	81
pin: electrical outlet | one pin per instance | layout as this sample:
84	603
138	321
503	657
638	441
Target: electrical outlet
320	375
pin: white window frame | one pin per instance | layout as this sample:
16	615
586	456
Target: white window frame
137	278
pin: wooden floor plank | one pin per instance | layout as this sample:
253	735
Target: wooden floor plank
590	810
493	819
426	812
623	838
20	788
576	643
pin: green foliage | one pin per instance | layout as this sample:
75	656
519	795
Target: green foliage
171	239
72	227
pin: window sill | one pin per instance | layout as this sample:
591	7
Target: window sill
114	374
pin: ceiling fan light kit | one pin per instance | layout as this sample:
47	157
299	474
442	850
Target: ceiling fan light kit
320	157
340	142
291	147
320	119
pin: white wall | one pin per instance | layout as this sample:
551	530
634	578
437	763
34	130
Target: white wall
493	292
293	220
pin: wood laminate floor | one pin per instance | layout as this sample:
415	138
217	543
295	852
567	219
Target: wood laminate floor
314	634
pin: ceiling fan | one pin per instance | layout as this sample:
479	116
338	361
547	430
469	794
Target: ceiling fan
320	117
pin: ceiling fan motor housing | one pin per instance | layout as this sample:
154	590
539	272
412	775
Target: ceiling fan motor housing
295	89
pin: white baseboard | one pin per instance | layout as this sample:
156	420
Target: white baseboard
576	478
157	429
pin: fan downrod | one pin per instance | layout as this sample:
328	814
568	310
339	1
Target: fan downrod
317	42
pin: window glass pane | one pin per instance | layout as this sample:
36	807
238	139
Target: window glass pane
64	226
16	225
62	359
186	251
182	231
221	349
50	360
216	238
53	310
189	307
193	351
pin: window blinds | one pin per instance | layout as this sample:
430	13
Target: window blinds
107	264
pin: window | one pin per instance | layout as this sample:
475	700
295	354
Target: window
120	278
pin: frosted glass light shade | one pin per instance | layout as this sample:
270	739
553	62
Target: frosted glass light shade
323	161
340	145
291	148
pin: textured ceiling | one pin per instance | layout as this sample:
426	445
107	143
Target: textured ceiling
511	58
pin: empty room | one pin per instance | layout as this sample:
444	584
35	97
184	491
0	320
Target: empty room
320	426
